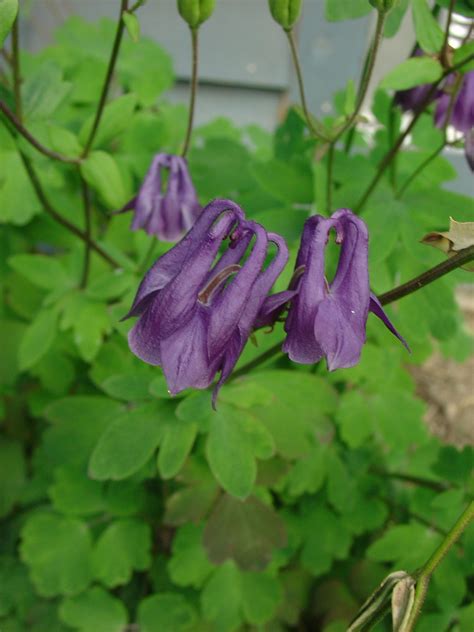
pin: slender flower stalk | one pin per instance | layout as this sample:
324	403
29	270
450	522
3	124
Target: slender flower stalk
86	201
193	89
21	129
108	78
15	63
314	127
424	576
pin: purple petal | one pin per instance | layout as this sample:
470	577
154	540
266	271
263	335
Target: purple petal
377	309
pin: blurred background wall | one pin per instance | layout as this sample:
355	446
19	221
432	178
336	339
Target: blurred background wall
245	70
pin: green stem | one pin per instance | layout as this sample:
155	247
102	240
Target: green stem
192	98
444	48
330	164
366	74
418	170
299	75
458	260
21	129
50	210
390	155
15	57
108	78
424	577
86	201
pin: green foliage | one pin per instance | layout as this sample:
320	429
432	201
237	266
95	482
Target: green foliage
8	11
292	501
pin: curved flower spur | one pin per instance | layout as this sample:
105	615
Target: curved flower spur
196	316
329	320
166	212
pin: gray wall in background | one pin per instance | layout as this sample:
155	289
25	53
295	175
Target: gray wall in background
245	69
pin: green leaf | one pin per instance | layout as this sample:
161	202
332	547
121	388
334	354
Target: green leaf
325	538
261	595
413	72
123	547
8	11
75	495
44	91
109	285
336	10
16	591
247	532
189	565
175	447
91	322
145	69
355	419
95	610
38	339
285	182
305	399
462	53
350	98
308	473
115	120
63	140
407	546
127	443
12	473
12	334
18	201
45	272
103	174
132	25
235	439
129	387
58	552
221	598
82	408
429	33
166	612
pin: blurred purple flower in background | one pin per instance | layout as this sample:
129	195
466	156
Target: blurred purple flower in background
167	212
462	114
409	100
329	320
195	313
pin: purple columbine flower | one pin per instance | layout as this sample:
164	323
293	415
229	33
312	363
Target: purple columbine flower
195	313
462	114
329	319
166	212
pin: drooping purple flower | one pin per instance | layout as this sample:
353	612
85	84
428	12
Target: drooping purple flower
167	212
462	113
329	320
195	315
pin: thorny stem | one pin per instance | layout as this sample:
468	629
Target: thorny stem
424	577
59	218
299	76
15	121
86	201
193	88
458	260
108	78
15	61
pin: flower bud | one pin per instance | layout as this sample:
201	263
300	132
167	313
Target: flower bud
384	6
285	12
195	12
